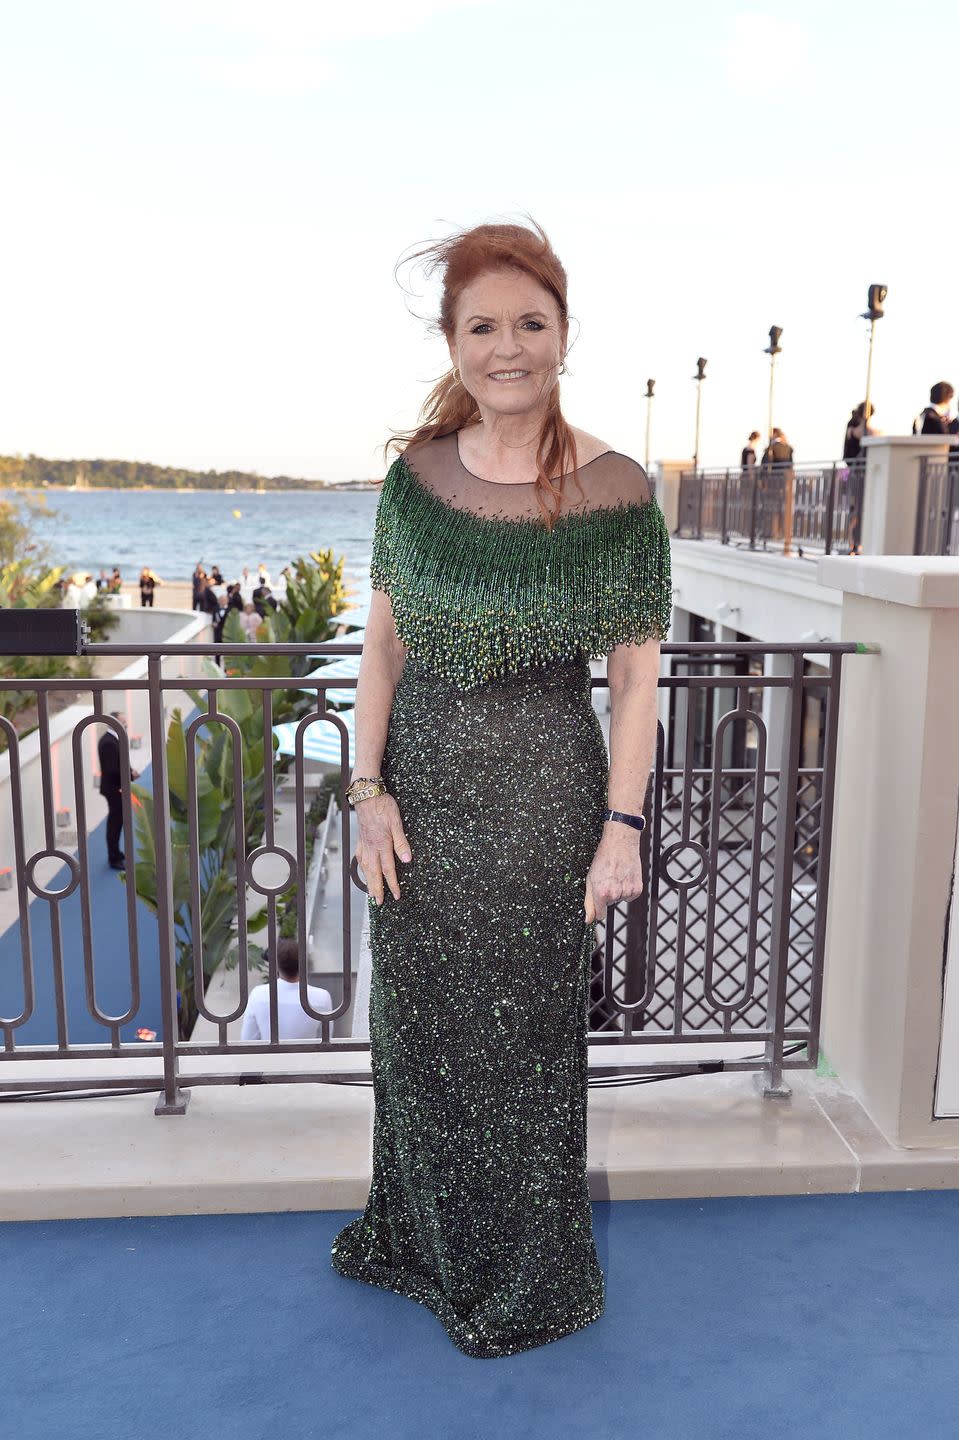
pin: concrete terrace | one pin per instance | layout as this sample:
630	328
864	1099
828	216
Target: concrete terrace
306	1146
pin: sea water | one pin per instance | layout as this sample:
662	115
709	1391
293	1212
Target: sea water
171	531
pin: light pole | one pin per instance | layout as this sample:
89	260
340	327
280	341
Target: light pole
874	312
772	350
650	385
699	377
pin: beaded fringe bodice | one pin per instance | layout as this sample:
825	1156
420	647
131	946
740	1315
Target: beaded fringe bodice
481	587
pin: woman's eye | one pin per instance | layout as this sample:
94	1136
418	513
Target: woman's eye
483	326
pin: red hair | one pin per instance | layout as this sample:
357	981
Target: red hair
450	406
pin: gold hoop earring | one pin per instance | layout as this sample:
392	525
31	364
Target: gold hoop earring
562	368
456	376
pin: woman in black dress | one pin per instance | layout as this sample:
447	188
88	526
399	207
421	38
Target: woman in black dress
509	547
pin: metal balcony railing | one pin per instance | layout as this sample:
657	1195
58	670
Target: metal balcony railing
807	507
937	507
725	945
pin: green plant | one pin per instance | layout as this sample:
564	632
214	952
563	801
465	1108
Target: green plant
305	616
315	594
215	841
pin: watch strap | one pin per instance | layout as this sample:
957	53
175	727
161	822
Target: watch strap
638	822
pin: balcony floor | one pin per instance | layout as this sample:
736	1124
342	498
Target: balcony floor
726	1318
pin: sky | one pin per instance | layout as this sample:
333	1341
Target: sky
204	205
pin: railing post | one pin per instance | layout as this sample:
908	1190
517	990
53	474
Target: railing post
174	1100
722	524
919	536
950	545
700	485
789	480
753	502
770	1078
830	505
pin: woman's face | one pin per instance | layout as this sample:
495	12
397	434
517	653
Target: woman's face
508	342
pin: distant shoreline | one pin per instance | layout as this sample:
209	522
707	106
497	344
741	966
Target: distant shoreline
317	487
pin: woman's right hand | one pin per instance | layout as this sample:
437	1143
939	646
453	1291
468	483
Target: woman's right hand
381	838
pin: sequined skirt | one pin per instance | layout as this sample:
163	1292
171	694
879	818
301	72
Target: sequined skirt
479	1207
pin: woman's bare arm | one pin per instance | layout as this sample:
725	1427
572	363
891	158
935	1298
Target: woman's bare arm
381	664
616	873
381	829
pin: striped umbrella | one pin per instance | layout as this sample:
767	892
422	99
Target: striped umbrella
353	637
347	667
321	739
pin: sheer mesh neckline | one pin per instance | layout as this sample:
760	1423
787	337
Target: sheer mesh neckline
516	484
610	482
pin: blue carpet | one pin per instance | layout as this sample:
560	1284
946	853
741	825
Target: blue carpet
111	950
726	1319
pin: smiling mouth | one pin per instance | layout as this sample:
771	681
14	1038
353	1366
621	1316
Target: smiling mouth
508	374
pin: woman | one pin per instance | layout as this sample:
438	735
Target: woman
148	583
856	430
199	585
250	620
508	548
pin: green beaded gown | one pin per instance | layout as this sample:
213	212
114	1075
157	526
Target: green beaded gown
479	1206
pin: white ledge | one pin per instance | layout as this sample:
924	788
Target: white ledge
911	442
928	582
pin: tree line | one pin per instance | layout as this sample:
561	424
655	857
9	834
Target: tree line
33	471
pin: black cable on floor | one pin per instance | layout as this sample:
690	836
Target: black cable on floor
598	1082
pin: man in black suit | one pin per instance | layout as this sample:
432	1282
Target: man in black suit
934	420
262	597
108	750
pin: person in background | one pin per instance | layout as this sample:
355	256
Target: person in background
856	430
263	575
934	419
199	585
115	582
148	583
775	465
81	590
233	601
778	451
209	600
748	458
103	580
215	574
250	620
293	1023
210	605
262	597
111	788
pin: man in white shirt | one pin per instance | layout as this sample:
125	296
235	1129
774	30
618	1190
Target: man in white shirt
293	1021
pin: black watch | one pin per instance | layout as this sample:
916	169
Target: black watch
638	822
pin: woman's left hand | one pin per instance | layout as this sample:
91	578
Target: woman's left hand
617	870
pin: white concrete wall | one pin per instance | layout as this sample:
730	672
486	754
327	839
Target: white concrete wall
947	1080
894	834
